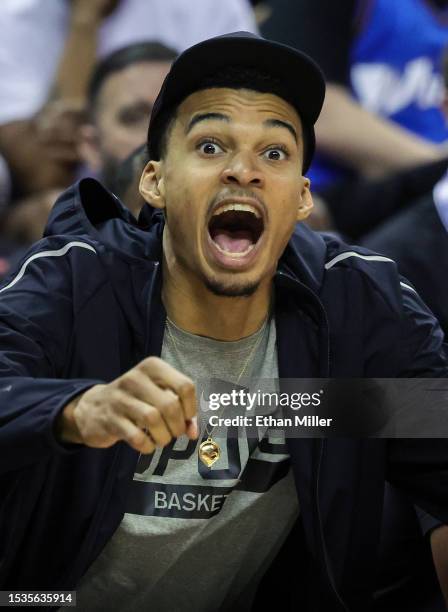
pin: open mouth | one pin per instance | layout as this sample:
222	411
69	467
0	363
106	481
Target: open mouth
236	228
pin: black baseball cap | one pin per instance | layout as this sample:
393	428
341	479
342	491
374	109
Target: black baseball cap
302	82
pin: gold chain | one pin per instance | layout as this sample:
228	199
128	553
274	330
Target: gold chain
246	363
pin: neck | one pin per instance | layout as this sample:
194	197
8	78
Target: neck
195	309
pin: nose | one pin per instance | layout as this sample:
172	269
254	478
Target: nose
243	170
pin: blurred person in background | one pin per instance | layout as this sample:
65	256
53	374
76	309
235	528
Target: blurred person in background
121	94
382	61
417	239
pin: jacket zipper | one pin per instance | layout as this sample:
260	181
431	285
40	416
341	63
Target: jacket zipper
148	308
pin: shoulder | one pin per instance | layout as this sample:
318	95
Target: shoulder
365	286
52	263
378	272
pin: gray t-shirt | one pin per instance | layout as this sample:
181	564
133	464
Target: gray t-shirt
196	538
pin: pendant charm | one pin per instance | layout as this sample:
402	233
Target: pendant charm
209	452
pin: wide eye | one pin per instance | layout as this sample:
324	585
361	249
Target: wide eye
275	154
209	147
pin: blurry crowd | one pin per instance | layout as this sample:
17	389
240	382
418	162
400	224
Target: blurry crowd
79	77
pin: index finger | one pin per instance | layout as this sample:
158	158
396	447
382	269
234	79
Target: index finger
167	377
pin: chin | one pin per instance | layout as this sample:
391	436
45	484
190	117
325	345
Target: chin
229	289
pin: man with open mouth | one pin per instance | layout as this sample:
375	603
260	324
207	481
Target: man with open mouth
113	483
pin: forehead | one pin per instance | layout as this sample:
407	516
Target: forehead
141	80
238	104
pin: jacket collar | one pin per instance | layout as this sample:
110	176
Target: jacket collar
89	209
304	258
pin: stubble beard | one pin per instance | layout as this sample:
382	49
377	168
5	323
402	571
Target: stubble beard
109	171
230	290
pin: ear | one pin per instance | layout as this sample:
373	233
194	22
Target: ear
88	147
305	201
152	185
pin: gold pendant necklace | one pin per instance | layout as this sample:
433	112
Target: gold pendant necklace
209	450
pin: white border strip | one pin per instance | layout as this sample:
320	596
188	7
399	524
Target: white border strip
57	253
347	254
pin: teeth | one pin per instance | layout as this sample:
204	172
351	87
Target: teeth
235	255
235	206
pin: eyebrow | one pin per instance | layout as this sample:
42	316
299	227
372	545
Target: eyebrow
206	117
138	106
283	124
221	117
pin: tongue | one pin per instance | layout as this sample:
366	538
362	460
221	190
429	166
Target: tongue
233	242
